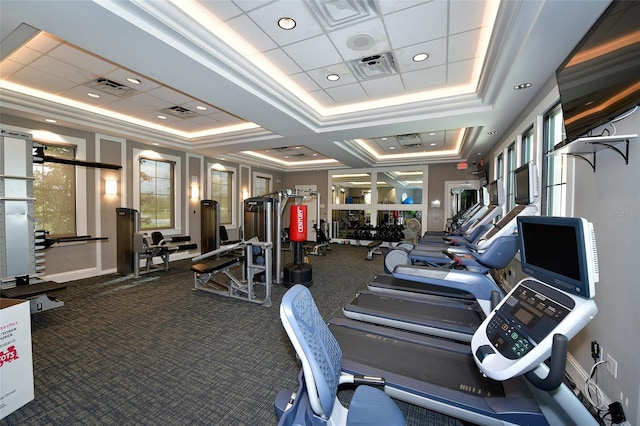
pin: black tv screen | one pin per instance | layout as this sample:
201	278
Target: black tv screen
599	80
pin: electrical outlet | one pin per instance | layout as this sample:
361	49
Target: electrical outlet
612	366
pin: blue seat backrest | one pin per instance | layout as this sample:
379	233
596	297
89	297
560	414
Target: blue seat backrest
320	349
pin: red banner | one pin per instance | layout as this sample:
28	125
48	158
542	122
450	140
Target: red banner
298	221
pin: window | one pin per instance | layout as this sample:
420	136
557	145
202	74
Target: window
526	146
221	185
54	189
554	172
499	166
511	166
261	185
157	194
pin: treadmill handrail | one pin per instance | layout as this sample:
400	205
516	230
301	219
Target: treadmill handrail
557	366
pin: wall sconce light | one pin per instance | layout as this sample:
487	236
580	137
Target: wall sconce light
110	187
435	204
195	188
245	194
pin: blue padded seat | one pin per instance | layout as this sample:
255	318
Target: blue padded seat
321	359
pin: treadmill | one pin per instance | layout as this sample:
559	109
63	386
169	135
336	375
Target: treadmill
501	377
449	303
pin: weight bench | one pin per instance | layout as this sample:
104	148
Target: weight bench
202	272
373	248
38	295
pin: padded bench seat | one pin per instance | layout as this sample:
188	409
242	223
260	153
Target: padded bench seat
31	290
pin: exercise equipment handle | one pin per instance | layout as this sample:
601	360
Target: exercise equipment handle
557	366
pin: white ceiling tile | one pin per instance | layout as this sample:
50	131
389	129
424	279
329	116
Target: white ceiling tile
41	80
247	5
390	6
24	56
322	97
171	96
9	67
463	46
383	86
348	93
305	82
79	93
224	10
279	58
437	50
465	15
313	53
371	27
125	106
430	78
70	55
120	75
62	70
459	72
43	42
152	102
320	75
267	18
249	31
417	24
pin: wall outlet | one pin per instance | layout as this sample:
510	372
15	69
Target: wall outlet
612	366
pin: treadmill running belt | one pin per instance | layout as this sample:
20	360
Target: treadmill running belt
452	370
414	311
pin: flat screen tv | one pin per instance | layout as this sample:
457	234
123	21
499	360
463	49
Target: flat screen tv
560	251
526	179
599	80
496	196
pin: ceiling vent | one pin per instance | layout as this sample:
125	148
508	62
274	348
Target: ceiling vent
335	13
374	66
302	154
111	87
409	139
178	111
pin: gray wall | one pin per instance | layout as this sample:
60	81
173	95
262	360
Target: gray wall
610	199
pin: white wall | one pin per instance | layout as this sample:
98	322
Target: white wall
610	199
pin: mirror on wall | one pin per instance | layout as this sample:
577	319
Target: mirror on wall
351	188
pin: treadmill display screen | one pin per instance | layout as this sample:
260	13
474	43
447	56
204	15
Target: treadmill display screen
527	316
559	251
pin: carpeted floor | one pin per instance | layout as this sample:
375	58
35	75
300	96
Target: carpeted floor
151	350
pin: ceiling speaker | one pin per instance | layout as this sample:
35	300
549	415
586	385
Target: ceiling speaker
361	41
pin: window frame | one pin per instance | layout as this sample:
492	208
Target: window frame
552	124
44	136
260	175
177	185
510	184
234	190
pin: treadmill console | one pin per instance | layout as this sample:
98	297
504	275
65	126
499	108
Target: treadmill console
518	334
527	316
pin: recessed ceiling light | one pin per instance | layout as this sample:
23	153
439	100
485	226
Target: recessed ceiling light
93	95
286	23
50	120
384	139
201	107
493	132
162	117
432	144
133	80
392	147
420	57
433	133
522	86
155	144
333	77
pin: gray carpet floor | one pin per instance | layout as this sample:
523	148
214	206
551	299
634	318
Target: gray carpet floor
151	350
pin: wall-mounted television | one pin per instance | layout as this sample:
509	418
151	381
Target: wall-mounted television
560	251
526	179
599	80
496	193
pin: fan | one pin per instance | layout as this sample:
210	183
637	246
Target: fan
413	226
